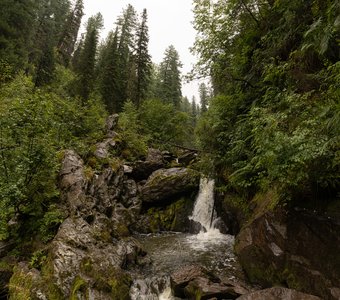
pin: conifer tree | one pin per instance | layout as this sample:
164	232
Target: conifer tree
204	97
69	35
170	77
143	60
17	23
87	57
127	25
109	73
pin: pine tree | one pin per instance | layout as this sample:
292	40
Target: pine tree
17	23
127	25
87	57
143	61
109	73
69	35
169	89
194	110
204	97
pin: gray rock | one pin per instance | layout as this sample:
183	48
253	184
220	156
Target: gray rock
193	280
111	123
187	158
143	169
166	183
103	148
299	248
72	180
278	293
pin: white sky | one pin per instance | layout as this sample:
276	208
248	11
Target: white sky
169	23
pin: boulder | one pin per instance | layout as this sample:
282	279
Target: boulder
77	254
192	280
143	169
187	158
110	125
164	184
103	148
294	248
72	180
277	293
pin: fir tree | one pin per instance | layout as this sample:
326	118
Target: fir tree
87	57
143	61
109	73
204	97
69	35
169	89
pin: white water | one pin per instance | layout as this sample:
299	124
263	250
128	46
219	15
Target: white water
204	212
209	248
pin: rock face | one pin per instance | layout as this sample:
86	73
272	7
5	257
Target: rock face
295	248
93	251
154	161
166	183
194	282
277	293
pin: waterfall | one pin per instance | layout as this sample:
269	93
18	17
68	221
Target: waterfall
204	212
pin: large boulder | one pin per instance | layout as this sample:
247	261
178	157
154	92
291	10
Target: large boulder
164	184
195	282
143	169
296	248
278	293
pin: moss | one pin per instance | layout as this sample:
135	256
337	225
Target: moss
120	286
20	285
292	281
167	219
48	280
79	286
88	172
121	230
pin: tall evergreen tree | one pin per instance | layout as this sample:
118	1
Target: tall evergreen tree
69	34
109	73
143	60
17	23
169	89
127	25
204	97
87	57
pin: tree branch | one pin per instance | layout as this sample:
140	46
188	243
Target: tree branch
250	12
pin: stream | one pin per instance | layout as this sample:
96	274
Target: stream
169	251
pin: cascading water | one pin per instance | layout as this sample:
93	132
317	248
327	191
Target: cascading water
170	251
204	211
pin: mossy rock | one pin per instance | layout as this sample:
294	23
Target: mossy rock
173	217
79	287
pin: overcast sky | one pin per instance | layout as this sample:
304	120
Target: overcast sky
169	23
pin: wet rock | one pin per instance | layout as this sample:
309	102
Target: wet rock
193	280
187	158
278	293
298	249
143	169
168	156
206	289
166	183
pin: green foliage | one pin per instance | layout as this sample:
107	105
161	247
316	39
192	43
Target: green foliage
164	124
276	120
38	259
51	222
34	126
134	144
